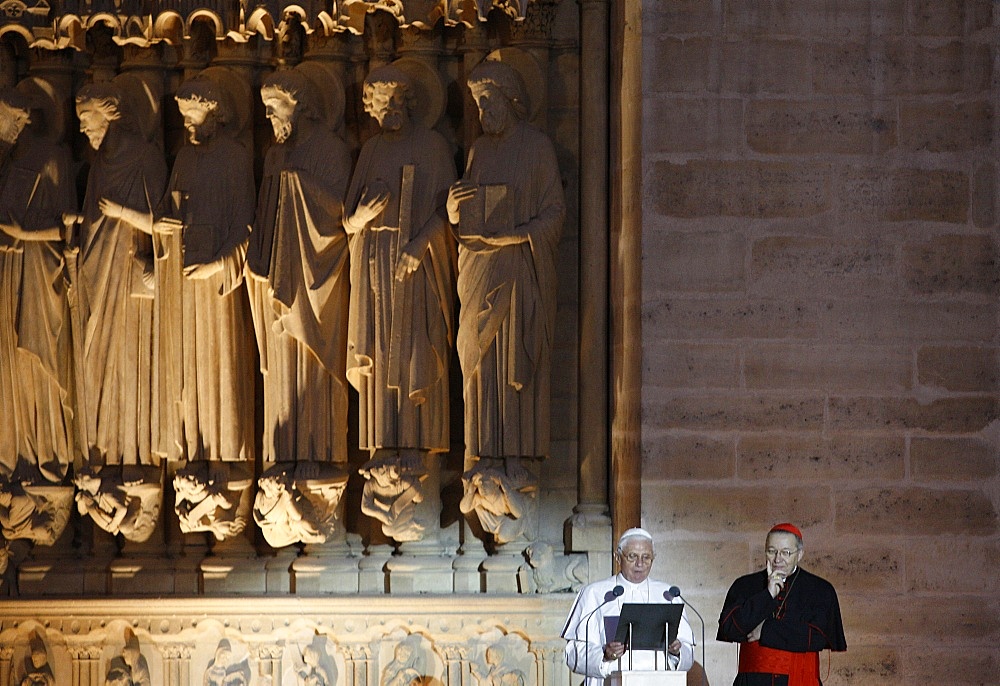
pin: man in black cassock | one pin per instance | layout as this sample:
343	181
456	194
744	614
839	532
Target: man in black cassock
782	617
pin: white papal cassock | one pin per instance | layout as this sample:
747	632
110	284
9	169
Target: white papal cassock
585	637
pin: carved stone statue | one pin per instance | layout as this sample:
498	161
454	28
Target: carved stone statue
298	281
35	370
224	670
204	357
114	286
37	671
125	501
508	213
400	328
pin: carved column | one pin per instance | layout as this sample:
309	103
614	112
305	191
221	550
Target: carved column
548	662
456	665
357	661
589	526
176	665
6	655
86	665
269	663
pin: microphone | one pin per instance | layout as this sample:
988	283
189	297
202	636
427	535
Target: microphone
675	592
615	592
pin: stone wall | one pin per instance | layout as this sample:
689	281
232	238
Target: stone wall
820	316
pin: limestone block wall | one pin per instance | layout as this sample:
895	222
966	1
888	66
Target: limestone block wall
820	316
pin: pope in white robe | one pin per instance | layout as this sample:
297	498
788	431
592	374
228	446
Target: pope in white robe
590	651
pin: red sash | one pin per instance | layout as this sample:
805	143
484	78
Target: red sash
802	668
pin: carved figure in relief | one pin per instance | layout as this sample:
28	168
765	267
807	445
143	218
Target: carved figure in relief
125	502
32	508
119	673
114	269
210	498
552	574
294	504
406	668
507	211
392	492
35	361
224	670
298	281
400	326
37	671
133	658
313	673
506	503
496	671
205	382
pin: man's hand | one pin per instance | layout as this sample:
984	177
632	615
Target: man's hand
755	634
613	651
675	647
775	580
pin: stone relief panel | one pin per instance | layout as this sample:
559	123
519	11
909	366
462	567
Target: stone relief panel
283	643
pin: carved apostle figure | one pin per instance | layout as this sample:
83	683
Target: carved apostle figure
204	355
111	267
36	444
400	328
37	670
508	211
298	281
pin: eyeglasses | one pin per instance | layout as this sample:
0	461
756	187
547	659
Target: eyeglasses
632	558
784	554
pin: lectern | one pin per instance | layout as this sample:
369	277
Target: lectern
647	677
647	627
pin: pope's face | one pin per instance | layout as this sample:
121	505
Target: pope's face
279	108
388	106
199	119
94	123
495	113
12	123
636	559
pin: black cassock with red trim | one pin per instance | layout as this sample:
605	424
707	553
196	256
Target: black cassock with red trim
801	621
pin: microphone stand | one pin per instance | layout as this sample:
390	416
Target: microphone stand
702	620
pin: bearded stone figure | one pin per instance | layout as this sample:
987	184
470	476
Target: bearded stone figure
508	212
400	328
36	444
111	268
204	358
298	281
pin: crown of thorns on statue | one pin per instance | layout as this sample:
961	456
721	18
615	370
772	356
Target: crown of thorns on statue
505	78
